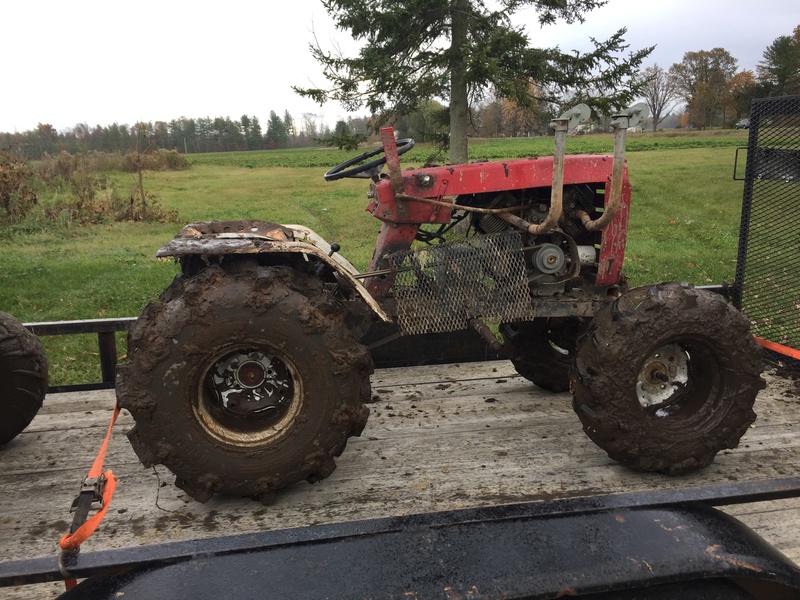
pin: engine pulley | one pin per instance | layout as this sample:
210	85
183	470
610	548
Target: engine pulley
549	258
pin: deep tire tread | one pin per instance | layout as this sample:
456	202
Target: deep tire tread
262	298
534	358
24	376
609	357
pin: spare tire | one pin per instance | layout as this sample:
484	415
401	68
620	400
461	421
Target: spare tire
23	371
244	380
666	377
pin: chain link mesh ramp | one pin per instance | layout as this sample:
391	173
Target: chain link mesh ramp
440	288
768	265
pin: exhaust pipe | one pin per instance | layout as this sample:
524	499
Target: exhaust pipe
630	117
569	120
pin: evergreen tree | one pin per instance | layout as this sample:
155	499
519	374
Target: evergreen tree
288	126
276	135
254	137
417	50
779	72
343	137
244	122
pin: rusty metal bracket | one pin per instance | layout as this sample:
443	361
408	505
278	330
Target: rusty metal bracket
105	329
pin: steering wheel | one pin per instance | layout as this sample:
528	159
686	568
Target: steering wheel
367	169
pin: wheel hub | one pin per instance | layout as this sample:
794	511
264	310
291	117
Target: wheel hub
251	374
251	383
664	373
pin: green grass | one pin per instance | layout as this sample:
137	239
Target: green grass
685	211
684	226
604	143
502	148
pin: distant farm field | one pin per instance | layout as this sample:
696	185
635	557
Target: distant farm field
684	225
486	148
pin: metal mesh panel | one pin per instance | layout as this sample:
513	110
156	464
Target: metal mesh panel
440	288
768	267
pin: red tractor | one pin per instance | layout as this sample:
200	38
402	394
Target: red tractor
249	374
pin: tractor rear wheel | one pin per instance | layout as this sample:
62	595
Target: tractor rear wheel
243	381
543	350
666	377
23	371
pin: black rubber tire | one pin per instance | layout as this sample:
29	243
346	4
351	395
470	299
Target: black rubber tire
23	373
543	350
199	320
706	413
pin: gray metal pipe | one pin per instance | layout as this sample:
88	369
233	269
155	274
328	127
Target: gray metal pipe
615	194
557	191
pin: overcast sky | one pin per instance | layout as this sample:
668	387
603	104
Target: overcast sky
105	62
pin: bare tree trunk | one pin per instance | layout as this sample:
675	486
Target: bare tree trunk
141	186
459	152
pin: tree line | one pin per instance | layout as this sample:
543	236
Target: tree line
705	89
416	52
185	135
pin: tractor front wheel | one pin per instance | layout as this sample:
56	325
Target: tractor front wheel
244	380
23	371
666	377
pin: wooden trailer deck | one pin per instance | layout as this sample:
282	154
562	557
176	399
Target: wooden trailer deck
439	438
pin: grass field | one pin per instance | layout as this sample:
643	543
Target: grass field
684	226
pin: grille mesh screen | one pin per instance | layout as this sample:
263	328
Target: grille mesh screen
440	288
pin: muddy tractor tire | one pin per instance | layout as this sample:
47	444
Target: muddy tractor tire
23	373
543	350
243	381
666	377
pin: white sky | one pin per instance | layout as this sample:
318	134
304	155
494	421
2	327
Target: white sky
105	62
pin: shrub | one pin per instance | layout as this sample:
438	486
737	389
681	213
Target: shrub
17	187
64	164
149	210
74	191
158	160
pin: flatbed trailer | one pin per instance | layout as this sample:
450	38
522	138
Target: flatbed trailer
442	439
450	449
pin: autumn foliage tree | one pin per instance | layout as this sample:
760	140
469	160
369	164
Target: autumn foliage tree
703	78
742	88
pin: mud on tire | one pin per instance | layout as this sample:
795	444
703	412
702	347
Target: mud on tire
243	381
543	350
23	373
666	377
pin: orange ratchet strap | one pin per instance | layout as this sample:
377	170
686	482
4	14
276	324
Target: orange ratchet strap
779	348
97	486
